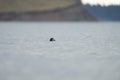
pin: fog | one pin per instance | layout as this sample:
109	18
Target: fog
101	2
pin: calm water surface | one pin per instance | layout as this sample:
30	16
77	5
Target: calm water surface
82	51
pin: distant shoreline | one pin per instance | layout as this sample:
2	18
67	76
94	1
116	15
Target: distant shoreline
73	12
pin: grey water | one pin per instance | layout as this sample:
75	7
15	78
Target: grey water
82	51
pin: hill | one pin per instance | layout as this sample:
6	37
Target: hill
106	13
32	5
43	10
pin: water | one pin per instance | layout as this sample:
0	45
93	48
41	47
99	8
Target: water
82	51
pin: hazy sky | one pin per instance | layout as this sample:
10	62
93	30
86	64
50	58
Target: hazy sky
101	2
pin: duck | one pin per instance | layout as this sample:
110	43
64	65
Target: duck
52	39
